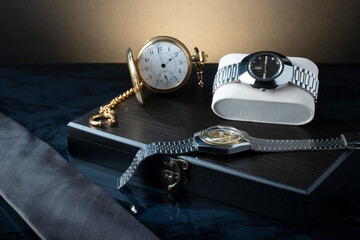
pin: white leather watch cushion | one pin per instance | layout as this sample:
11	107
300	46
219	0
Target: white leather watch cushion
285	105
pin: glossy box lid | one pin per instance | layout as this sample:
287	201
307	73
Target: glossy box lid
301	182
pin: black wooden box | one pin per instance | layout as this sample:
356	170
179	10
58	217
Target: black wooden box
293	187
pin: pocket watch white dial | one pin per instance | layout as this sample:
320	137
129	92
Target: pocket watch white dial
164	64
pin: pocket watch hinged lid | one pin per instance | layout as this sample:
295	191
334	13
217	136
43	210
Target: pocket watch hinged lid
137	84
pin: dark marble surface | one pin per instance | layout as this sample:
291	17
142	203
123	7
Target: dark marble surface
45	98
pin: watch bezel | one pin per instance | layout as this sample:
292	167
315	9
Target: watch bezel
281	78
210	147
249	64
203	138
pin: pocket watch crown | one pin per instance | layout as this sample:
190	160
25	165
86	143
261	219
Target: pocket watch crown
199	57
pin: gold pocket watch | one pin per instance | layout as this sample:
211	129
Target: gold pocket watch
163	64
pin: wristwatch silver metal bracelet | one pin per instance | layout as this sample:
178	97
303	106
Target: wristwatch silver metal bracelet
267	70
163	148
277	145
229	140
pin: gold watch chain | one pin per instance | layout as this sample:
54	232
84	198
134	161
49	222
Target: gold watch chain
107	111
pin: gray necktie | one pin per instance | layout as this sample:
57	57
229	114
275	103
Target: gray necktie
53	198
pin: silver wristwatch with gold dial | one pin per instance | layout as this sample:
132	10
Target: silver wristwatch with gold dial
229	140
267	70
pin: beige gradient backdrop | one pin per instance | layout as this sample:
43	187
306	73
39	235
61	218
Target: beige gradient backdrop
41	31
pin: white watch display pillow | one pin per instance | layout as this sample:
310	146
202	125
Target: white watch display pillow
291	103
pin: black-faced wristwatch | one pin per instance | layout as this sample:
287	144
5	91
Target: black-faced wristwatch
229	140
267	70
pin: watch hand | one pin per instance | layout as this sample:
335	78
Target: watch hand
163	65
265	67
162	61
264	73
168	61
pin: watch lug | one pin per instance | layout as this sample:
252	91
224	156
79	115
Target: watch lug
352	140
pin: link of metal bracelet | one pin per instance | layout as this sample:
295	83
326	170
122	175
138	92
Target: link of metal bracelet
302	78
225	75
305	79
291	145
165	148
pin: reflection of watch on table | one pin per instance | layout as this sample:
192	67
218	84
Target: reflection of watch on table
267	70
229	140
